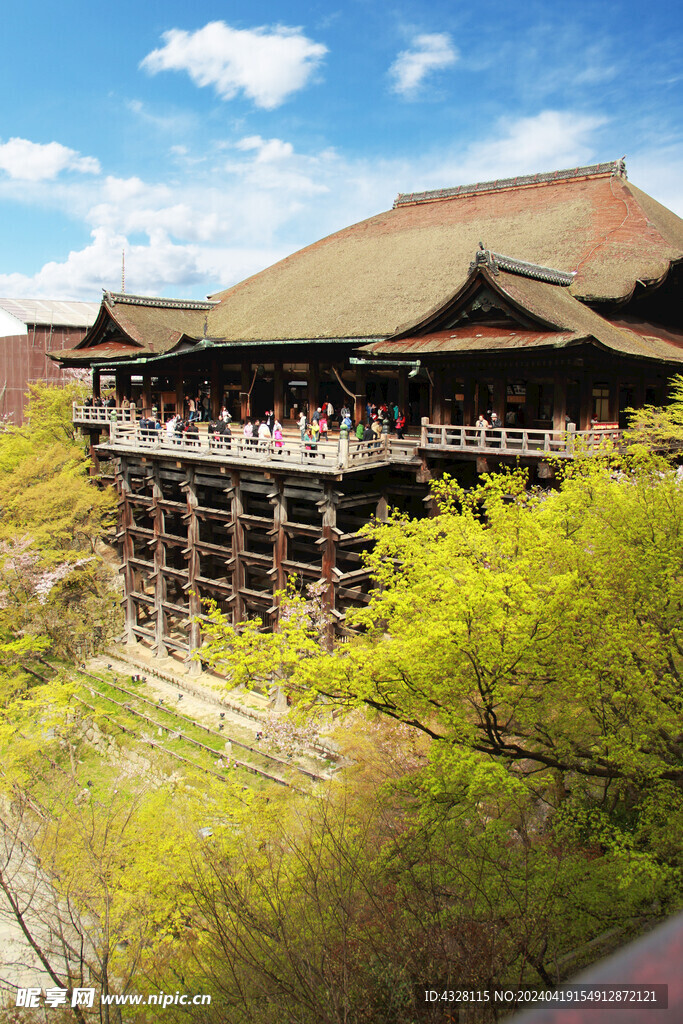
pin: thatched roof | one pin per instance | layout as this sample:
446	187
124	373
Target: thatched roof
153	325
541	313
373	277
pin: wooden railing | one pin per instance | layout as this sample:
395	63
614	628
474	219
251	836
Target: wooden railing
516	441
102	415
332	455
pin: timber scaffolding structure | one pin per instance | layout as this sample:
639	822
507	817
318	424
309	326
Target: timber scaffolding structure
198	526
231	522
571	318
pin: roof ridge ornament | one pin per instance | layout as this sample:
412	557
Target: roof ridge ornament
613	168
495	262
124	298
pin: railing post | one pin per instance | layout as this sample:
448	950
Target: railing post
344	450
424	422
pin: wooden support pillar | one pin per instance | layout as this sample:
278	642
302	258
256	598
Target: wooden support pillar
437	406
146	391
279	538
96	389
313	386
159	563
500	388
127	553
93	440
403	391
613	399
215	389
359	413
559	400
531	403
329	536
469	413
121	376
179	392
193	569
244	392
279	392
586	385
237	548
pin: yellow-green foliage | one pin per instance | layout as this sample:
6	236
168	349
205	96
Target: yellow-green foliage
44	486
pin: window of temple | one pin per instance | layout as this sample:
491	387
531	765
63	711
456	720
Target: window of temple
601	402
514	403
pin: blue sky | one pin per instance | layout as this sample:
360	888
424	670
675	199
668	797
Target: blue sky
210	142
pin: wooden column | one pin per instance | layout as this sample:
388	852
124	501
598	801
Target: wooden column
586	385
531	403
424	400
500	386
93	440
437	407
127	552
237	548
279	503
121	377
559	400
359	413
279	392
313	386
179	392
215	392
402	391
328	507
193	569
146	391
613	399
96	390
244	391
159	563
469	413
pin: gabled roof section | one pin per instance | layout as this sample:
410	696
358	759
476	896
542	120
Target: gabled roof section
500	291
515	309
368	279
129	326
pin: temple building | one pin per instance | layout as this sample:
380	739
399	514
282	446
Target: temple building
551	301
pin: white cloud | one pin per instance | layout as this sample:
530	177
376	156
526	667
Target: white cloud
266	64
234	216
429	53
267	150
549	141
34	161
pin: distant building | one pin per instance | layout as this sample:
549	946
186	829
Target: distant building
29	330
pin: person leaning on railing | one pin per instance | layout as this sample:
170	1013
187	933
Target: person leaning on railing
310	439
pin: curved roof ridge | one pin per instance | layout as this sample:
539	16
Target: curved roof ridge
125	298
617	167
495	261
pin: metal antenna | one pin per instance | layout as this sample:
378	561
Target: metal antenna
123	271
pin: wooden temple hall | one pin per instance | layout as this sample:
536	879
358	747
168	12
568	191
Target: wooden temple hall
552	301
